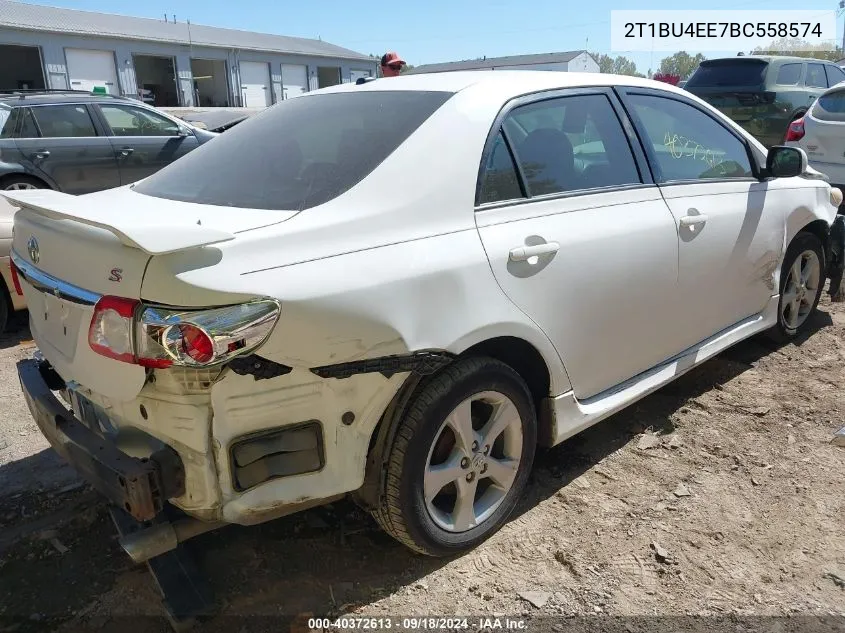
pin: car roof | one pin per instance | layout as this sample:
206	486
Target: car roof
37	97
770	58
514	81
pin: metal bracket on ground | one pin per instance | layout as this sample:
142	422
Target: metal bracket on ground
186	593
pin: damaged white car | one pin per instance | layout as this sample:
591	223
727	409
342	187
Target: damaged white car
398	290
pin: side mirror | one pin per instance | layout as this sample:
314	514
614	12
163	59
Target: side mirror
786	162
183	131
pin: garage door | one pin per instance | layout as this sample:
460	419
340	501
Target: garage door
255	84
92	70
355	75
294	80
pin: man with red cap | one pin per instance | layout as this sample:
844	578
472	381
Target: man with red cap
391	64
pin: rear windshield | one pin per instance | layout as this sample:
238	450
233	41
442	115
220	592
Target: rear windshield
728	74
830	106
297	154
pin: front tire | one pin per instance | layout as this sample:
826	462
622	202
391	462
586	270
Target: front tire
460	459
801	284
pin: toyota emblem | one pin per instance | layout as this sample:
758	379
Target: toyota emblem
32	247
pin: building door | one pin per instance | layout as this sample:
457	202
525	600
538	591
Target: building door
294	80
255	84
92	71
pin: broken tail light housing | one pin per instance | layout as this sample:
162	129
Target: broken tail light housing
160	337
795	131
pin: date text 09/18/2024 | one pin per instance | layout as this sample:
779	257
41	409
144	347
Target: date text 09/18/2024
417	624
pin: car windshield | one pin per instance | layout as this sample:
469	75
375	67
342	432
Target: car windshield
297	154
729	73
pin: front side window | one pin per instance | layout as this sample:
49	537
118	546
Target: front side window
7	122
570	144
60	121
28	127
688	144
129	121
301	152
789	74
815	76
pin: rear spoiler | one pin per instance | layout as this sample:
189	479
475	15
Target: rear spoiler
155	233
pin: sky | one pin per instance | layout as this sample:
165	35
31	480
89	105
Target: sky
429	31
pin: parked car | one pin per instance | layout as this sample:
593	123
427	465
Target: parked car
77	142
821	134
397	290
764	94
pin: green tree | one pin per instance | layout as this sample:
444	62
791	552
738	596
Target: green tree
619	65
681	63
799	48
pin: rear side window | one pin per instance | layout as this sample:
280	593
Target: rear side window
62	121
746	73
834	75
830	106
299	153
7	122
789	74
815	76
570	144
688	144
499	181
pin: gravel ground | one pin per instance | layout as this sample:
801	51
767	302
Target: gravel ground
719	496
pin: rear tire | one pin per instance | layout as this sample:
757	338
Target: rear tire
5	309
802	280
21	181
460	459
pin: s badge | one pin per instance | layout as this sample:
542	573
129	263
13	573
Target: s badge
116	274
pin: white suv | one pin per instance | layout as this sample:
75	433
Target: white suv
397	290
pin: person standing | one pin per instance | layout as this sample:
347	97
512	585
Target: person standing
391	64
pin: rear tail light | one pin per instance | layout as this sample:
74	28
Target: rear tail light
795	131
157	337
15	280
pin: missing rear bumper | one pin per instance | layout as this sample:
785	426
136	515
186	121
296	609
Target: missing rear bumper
138	486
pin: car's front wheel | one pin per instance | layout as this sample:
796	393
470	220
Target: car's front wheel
460	459
801	283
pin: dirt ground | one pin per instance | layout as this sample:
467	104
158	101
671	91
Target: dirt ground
720	496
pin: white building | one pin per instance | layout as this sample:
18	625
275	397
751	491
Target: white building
572	61
164	61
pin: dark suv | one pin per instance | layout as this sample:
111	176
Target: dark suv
78	142
763	94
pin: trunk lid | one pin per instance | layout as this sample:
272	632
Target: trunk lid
73	249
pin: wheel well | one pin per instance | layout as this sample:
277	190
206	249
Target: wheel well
820	229
514	352
8	177
522	357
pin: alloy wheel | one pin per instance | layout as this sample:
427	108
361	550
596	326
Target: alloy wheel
473	461
800	289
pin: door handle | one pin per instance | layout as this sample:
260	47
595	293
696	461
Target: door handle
522	253
126	151
693	220
42	153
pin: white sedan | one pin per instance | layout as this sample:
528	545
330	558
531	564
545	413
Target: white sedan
821	134
398	290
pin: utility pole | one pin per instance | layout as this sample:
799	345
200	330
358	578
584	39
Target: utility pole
841	7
